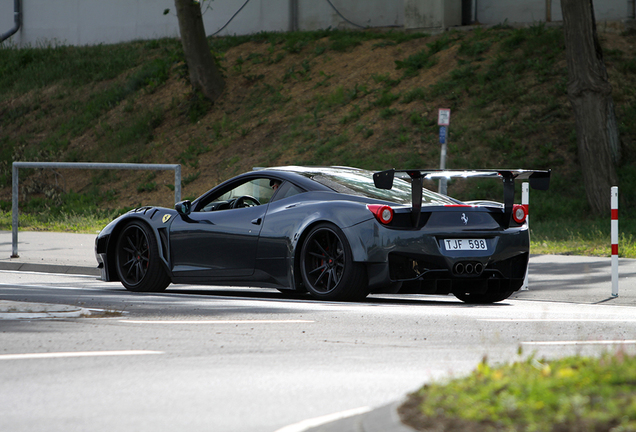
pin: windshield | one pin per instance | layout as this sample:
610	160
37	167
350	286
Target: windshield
360	182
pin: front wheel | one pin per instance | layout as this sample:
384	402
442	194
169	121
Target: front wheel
327	266
137	260
474	298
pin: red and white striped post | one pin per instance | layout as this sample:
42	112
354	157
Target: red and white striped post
614	236
525	200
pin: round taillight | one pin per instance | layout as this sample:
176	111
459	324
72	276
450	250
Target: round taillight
386	214
519	213
383	213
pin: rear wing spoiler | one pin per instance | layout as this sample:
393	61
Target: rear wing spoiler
538	179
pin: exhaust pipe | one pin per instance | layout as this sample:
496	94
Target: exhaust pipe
469	268
459	268
479	268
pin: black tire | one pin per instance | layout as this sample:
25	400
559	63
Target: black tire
327	267
137	260
487	298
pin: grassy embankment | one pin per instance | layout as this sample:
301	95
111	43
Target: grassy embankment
329	97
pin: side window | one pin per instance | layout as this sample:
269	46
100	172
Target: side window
287	189
248	194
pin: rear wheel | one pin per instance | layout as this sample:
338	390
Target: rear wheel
327	266
137	260
485	298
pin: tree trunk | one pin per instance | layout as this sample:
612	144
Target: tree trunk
590	94
204	74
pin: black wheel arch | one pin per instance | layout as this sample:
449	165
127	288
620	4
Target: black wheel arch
300	240
161	235
298	279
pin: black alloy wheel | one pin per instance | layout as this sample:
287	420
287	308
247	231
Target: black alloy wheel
137	259
327	266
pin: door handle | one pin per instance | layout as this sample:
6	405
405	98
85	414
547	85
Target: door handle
257	221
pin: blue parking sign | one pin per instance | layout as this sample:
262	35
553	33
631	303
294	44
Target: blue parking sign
442	134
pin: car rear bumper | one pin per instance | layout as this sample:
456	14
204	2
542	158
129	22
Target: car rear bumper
416	261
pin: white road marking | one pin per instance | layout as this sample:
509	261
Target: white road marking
317	421
598	342
557	319
217	321
76	354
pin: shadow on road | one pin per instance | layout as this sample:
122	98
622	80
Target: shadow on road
374	299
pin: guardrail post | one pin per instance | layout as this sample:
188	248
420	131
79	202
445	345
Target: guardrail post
177	184
14	211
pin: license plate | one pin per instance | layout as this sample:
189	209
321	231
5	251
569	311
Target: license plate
465	244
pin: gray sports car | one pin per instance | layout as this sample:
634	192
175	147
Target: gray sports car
338	233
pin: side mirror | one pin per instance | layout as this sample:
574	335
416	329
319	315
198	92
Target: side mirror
183	207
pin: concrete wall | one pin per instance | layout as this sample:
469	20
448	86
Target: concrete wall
528	11
318	14
6	16
256	16
432	14
82	22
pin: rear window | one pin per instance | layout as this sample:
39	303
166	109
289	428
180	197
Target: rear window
360	182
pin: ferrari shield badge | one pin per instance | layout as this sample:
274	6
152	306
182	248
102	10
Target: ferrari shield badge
166	218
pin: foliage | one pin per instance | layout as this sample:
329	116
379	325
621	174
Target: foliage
569	394
25	69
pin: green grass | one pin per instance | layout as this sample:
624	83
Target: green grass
68	222
66	212
586	237
569	394
506	89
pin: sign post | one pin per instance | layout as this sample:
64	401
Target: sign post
443	121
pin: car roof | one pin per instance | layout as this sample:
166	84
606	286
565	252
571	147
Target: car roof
342	180
304	175
319	169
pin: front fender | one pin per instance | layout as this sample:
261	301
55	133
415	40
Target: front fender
157	218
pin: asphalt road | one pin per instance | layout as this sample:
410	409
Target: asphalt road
80	354
551	278
225	359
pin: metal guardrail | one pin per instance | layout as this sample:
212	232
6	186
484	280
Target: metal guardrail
80	165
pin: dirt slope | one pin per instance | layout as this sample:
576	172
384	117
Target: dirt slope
317	106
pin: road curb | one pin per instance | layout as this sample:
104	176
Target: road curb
385	418
49	268
382	419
